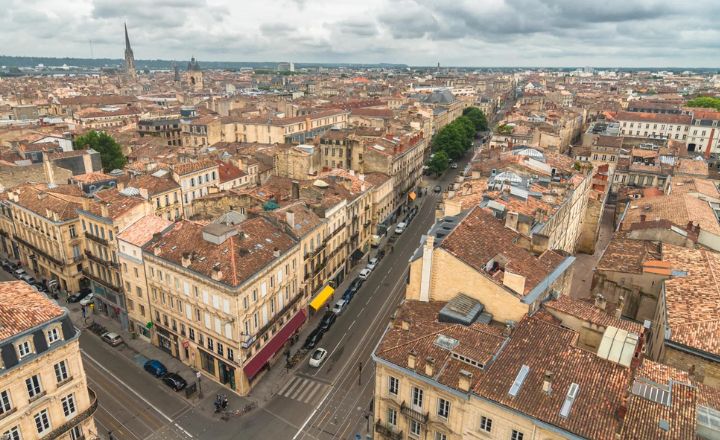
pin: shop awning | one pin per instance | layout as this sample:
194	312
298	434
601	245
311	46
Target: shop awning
412	195
268	351
322	297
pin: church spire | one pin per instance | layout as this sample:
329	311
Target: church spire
129	56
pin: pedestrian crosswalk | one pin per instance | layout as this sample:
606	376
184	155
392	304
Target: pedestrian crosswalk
303	390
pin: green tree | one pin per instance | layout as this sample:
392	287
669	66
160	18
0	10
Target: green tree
467	128
439	163
111	154
450	139
477	117
705	102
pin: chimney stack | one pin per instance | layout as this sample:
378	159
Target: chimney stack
412	358
276	252
643	217
547	382
185	259
217	274
290	219
404	325
429	366
600	302
465	380
295	190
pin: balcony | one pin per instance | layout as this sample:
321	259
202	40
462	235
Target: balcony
388	431
39	251
63	429
99	280
414	414
96	239
279	315
102	261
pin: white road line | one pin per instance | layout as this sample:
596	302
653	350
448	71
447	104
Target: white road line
300	390
288	385
294	388
122	405
304	395
315	390
183	430
128	430
109	373
351	324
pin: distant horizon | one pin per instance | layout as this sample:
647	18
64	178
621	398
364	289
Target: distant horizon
180	62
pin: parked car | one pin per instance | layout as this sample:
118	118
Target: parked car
111	338
155	367
87	300
357	283
364	274
174	381
400	228
9	266
372	263
80	295
19	272
437	189
454	165
28	279
327	320
318	356
339	306
313	338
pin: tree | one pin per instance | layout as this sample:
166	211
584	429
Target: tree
705	102
439	162
477	117
111	154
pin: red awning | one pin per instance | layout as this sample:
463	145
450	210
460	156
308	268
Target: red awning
268	351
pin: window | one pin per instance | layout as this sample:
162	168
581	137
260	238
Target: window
485	424
191	333
417	397
220	349
415	429
5	404
393	385
516	435
230	354
24	349
42	421
61	372
53	335
12	434
76	433
440	436
68	404
73	234
443	408
33	386
392	416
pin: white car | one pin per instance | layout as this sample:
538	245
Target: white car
364	274
400	228
87	300
318	357
339	306
372	263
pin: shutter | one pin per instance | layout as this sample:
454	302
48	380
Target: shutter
218	327
40	342
207	320
226	305
228	330
9	356
188	311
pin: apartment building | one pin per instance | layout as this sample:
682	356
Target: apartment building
130	257
225	298
43	227
196	179
164	194
654	125
103	218
201	132
274	130
166	127
43	388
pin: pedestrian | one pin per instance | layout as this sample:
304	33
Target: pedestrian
224	402
111	436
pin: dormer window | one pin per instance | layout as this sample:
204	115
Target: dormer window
53	335
24	348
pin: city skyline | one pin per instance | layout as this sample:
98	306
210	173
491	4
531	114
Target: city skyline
510	33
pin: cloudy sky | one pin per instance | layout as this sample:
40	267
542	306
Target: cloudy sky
632	33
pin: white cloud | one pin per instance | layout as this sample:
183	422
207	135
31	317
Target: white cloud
416	32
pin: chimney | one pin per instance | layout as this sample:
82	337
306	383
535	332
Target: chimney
157	251
643	217
600	302
464	380
216	273
295	190
412	358
429	366
186	259
620	307
276	252
547	382
290	219
404	325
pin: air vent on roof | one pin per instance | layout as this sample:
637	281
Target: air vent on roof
569	399
519	379
654	392
467	360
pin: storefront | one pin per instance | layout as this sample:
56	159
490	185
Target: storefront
265	355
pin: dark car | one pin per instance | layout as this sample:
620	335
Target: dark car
357	283
78	296
437	189
313	338
348	295
155	367
174	381
327	321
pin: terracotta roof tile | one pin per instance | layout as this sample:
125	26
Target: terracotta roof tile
22	308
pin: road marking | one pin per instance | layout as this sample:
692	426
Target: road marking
287	385
303	390
110	373
351	324
137	416
183	430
